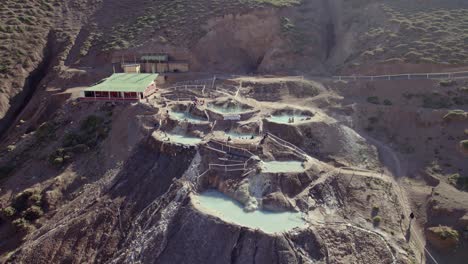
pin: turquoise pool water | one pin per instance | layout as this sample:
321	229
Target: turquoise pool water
282	166
181	139
187	116
229	210
284	119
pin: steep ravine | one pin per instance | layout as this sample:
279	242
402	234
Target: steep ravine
31	85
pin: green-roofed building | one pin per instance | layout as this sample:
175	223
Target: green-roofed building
123	86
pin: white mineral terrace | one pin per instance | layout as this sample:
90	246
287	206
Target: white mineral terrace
217	204
184	116
282	166
288	119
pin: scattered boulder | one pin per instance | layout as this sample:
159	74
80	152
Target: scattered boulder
464	147
463	221
455	115
443	238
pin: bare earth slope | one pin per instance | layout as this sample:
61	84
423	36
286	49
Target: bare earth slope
110	190
102	182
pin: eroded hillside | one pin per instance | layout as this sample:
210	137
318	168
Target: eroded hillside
345	162
242	36
143	177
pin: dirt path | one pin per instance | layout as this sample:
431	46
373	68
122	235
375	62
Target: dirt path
393	165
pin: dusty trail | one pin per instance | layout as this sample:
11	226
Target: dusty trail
393	167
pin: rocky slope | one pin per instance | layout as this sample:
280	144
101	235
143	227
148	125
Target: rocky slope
111	191
308	36
86	182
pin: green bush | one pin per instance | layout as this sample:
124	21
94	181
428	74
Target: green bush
8	212
445	232
25	199
91	123
387	102
71	139
10	148
57	161
464	144
21	225
92	129
62	155
436	101
377	220
46	131
463	89
36	198
20	201
460	100
80	148
32	213
458	181
373	100
4	69
447	83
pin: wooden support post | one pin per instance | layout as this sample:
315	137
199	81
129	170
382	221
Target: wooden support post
212	84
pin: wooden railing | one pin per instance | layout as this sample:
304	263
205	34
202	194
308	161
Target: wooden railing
289	145
406	76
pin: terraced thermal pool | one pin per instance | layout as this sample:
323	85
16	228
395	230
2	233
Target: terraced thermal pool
229	210
288	119
181	139
184	116
282	166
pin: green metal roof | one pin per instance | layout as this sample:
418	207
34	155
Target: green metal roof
125	82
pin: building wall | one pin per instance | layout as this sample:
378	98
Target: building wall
163	67
160	67
178	66
131	68
149	67
151	89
